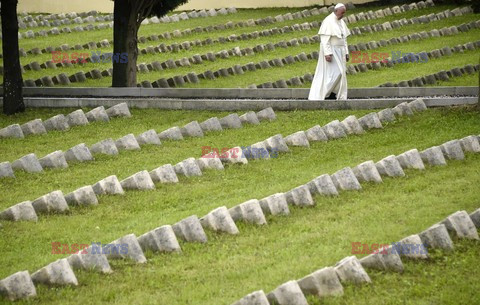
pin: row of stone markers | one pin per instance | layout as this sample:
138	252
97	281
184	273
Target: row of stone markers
336	129
189	167
81	153
60	19
64	122
432	79
192	229
50	20
429	79
187	44
180	80
250	23
57	202
329	281
154	20
63	79
236	51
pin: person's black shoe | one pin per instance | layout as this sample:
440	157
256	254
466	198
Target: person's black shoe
332	96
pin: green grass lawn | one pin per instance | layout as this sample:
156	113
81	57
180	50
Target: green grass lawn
270	75
229	267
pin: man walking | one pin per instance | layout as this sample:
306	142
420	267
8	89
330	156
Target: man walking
330	79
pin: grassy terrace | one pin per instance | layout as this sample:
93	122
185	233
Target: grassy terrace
228	267
362	80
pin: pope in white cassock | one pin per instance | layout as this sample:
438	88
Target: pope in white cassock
330	79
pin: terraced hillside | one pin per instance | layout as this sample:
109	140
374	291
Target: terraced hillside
258	48
227	267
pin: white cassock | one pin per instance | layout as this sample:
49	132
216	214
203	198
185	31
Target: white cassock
331	76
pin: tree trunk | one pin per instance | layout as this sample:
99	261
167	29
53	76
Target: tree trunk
125	31
12	74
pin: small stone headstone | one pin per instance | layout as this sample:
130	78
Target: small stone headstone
134	251
52	202
138	181
345	179
334	130
231	121
411	247
475	217
402	109
460	224
97	114
433	156
54	160
19	212
437	237
173	133
108	186
164	174
79	153
367	171
411	159
298	138
161	239
470	144
18	286
386	115
58	273
106	147
249	118
389	166
119	110
148	137
6	170
286	294
370	121
316	133
275	204
249	211
276	144
323	185
350	270
58	122
219	220
417	105
300	196
385	259
352	126
90	258
82	196
190	229
234	155
210	162
28	163
188	168
266	114
33	127
254	298
77	118
192	129
128	142
452	150
321	283
211	124
258	150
